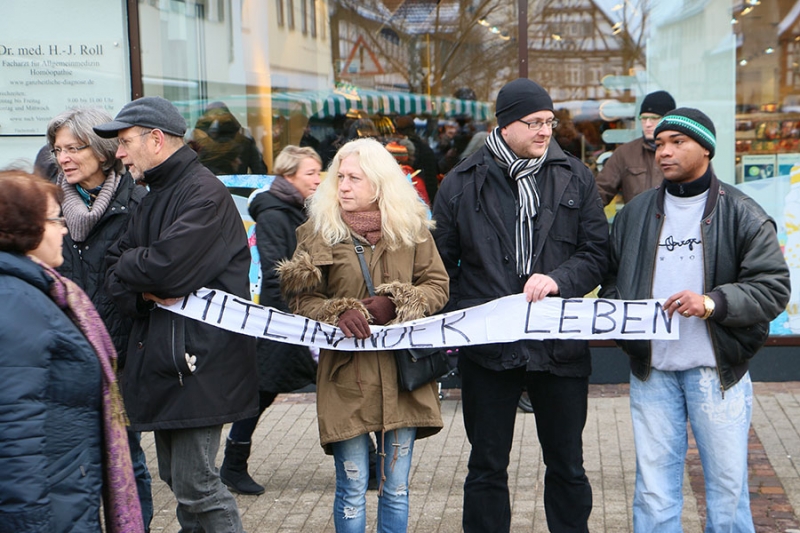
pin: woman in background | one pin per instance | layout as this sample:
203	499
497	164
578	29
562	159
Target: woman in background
98	197
367	199
281	367
62	424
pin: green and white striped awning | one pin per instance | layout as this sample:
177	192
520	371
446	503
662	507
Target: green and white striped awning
323	104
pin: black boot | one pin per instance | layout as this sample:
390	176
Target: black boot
233	471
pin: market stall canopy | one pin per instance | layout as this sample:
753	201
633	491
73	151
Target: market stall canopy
322	104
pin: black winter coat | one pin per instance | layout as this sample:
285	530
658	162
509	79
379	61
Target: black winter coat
85	262
282	367
185	235
475	213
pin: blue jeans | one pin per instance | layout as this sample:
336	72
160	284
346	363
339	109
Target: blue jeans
660	408
142	475
352	474
186	460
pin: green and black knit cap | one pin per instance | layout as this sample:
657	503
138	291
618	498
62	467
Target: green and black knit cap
693	123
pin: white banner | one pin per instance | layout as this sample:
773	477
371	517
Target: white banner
503	320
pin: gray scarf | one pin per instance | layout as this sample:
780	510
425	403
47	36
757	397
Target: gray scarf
523	171
80	217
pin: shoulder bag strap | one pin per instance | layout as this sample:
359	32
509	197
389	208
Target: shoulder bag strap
364	269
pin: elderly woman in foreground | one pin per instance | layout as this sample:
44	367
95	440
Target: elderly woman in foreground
367	200
62	425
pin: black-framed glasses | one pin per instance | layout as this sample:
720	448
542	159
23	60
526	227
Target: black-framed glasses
126	141
71	150
536	125
61	221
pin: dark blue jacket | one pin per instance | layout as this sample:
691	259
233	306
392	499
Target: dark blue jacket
50	409
475	212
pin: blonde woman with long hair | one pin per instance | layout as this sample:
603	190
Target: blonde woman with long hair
367	199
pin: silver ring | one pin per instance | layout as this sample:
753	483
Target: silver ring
686	314
678	303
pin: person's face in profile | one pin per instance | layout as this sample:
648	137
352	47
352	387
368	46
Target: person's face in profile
307	177
134	152
49	250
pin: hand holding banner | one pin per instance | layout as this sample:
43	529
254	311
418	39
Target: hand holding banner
506	319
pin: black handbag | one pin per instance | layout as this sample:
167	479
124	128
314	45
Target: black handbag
415	366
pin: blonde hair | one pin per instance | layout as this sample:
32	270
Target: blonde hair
403	214
288	161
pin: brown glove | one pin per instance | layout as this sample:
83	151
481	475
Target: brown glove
353	324
381	308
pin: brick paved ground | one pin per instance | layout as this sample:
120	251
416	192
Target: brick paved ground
299	477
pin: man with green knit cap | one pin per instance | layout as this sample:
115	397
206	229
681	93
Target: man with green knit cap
712	255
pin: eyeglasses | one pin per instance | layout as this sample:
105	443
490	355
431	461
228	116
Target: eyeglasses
649	118
71	150
125	142
536	125
61	221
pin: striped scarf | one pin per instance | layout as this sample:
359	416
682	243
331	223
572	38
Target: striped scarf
524	173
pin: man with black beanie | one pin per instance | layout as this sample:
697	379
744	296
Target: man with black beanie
712	254
632	168
520	215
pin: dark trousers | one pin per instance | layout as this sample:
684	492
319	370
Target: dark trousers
489	401
242	430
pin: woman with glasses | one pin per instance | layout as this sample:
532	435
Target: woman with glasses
97	199
63	445
366	199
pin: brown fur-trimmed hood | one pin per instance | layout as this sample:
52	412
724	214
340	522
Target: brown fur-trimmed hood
298	274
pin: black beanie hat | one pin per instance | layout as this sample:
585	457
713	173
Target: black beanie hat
691	122
520	98
659	103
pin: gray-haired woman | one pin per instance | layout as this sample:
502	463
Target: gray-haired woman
98	197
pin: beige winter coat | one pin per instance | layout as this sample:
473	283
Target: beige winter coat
357	392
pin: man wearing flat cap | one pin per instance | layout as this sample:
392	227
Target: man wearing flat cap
182	379
712	254
521	215
632	168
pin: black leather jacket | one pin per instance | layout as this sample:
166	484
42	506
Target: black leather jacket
475	212
745	273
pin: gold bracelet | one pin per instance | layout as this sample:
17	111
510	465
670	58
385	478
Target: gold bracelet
709	306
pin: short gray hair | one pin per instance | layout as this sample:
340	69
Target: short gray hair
80	121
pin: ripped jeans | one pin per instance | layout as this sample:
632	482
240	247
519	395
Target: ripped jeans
352	474
660	408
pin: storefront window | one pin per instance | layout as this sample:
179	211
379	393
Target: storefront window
54	56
